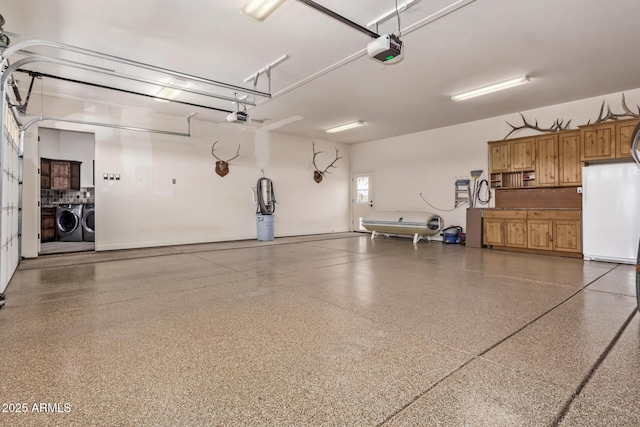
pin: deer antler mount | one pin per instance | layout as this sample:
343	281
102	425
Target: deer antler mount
318	174
557	126
222	166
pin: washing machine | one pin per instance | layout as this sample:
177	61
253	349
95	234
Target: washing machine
68	217
88	222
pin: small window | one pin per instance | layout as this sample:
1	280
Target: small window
362	189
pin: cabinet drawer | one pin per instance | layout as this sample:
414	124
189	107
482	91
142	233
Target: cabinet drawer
505	213
560	214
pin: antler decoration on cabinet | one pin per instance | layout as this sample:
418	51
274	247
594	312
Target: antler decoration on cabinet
557	126
222	166
611	116
318	174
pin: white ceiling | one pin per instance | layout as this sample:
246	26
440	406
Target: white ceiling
571	49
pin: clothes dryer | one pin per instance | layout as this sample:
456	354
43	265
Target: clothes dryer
88	222
68	217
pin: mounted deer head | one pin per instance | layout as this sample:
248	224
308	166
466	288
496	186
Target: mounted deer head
318	174
222	166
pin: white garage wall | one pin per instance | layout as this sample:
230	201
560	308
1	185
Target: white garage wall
429	162
146	209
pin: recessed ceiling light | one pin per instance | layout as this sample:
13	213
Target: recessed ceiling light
492	88
259	10
167	93
345	127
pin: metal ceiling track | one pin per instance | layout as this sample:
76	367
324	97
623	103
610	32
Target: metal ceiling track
340	18
22	47
31	122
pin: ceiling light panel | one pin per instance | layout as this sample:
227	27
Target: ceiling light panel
491	88
345	127
259	10
167	93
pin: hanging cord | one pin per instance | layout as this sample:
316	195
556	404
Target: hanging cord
41	98
479	190
398	15
438	209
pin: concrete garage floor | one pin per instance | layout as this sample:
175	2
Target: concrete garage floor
321	330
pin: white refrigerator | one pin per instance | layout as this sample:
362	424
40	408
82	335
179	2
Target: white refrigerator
611	212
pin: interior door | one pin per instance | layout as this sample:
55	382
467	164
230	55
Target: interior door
361	199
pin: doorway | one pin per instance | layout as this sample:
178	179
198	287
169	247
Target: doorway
362	199
67	194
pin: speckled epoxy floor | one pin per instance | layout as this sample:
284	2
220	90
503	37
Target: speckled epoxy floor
320	330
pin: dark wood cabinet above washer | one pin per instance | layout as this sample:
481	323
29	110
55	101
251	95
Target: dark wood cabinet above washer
59	174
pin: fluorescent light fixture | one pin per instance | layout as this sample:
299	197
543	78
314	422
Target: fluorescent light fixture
170	92
345	127
401	7
489	89
259	10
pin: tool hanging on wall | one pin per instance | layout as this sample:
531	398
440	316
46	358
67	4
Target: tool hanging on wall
477	189
463	192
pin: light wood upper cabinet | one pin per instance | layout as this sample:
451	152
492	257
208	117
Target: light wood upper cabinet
609	140
624	132
523	154
569	163
598	141
499	156
547	160
512	163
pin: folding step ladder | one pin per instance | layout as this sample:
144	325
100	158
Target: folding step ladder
463	192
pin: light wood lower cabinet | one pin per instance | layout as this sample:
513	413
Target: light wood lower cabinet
552	230
505	227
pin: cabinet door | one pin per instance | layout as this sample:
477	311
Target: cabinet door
598	142
522	154
547	160
74	175
539	234
499	156
48	228
59	175
567	236
569	165
516	233
45	174
624	132
493	232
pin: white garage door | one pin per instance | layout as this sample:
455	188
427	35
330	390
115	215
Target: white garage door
10	190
